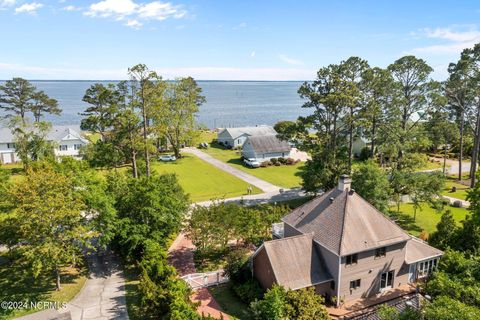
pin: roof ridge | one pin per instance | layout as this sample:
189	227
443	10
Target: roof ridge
343	225
383	215
309	234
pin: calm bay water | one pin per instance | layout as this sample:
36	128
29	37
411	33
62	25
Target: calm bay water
229	103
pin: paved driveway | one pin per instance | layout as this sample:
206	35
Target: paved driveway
259	183
101	298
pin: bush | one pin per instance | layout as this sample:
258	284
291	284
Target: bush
290	161
282	160
236	268
365	154
274	161
248	291
265	164
277	164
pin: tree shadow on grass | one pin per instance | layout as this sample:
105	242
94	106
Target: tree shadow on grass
18	284
405	221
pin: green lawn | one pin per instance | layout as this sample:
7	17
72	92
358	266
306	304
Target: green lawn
461	192
18	285
283	176
427	217
202	180
230	303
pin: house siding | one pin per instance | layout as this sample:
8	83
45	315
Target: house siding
249	152
330	261
369	269
262	269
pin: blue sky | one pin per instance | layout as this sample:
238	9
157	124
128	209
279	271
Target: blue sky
228	39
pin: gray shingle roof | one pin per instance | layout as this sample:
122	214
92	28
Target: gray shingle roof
268	144
345	223
56	133
251	131
295	262
418	250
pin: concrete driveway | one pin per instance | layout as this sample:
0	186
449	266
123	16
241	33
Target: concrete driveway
259	183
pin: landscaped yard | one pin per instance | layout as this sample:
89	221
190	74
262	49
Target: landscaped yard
18	285
230	303
284	176
427	217
460	193
202	180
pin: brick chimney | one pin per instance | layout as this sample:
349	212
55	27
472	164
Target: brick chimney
344	183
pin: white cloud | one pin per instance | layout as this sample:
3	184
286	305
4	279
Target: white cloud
134	12
70	8
134	24
253	54
29	8
452	39
8	71
7	3
289	60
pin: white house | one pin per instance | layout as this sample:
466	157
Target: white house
236	137
67	141
263	148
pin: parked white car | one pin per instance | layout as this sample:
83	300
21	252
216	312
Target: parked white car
251	163
167	158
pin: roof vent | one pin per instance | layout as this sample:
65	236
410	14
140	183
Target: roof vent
352	191
331	199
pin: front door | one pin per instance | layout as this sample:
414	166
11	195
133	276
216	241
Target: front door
386	280
411	273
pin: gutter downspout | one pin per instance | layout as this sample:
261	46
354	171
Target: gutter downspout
339	277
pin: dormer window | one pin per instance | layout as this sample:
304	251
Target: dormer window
352	259
380	252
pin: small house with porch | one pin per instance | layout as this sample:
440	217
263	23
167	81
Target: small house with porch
263	148
236	137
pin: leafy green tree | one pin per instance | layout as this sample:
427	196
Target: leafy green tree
425	188
99	115
147	208
305	304
442	132
377	92
286	130
412	95
41	104
352	71
273	305
446	308
371	182
145	85
16	96
175	110
446	232
49	222
30	140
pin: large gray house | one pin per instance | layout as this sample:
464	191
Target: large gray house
236	137
343	247
263	148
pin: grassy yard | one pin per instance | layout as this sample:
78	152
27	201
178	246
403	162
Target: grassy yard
17	285
230	303
427	217
202	180
131	292
283	176
461	192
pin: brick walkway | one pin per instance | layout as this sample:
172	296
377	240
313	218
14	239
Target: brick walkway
180	255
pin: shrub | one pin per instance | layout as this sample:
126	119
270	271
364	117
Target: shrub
290	161
282	160
264	164
236	268
274	161
277	164
248	291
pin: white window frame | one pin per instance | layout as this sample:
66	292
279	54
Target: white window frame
63	147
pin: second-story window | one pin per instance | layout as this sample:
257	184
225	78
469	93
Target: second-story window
63	147
381	252
352	259
10	145
355	284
